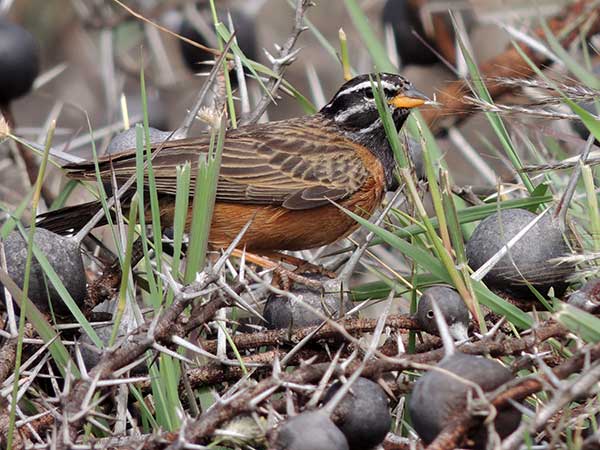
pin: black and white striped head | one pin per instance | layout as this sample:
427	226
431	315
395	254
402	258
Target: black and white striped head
353	108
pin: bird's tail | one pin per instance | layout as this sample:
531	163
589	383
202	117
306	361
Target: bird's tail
71	218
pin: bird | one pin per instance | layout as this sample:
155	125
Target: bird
282	176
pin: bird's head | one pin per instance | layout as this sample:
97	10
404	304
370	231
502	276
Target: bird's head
353	107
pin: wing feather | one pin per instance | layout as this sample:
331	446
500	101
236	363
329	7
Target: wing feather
297	164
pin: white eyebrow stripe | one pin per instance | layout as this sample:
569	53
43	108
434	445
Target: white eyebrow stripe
364	85
345	113
371	127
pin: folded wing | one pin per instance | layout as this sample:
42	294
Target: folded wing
292	163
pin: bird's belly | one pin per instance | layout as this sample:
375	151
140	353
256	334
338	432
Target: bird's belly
276	228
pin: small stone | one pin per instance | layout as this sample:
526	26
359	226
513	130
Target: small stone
531	258
311	430
283	312
127	139
452	306
438	396
63	254
587	297
364	415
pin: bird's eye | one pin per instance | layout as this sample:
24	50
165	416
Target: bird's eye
369	94
430	314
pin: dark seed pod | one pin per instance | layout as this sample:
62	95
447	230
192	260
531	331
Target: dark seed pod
414	45
283	312
437	396
64	256
19	61
311	430
363	415
245	34
452	306
531	258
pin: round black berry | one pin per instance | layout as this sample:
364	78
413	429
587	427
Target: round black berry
19	61
405	22
245	35
363	415
282	312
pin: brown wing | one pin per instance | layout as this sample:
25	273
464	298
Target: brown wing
298	164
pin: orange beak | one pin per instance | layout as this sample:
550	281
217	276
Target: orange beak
410	98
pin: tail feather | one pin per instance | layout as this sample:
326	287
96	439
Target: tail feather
70	219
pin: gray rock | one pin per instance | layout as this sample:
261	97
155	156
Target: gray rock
530	258
452	306
364	414
415	151
63	254
311	430
89	352
282	312
438	396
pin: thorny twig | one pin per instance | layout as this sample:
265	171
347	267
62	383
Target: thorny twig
282	336
160	331
460	425
245	400
286	56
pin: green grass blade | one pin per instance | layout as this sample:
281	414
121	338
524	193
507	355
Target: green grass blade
582	324
425	260
182	199
374	46
59	352
494	118
126	271
584	75
205	189
388	122
152	190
